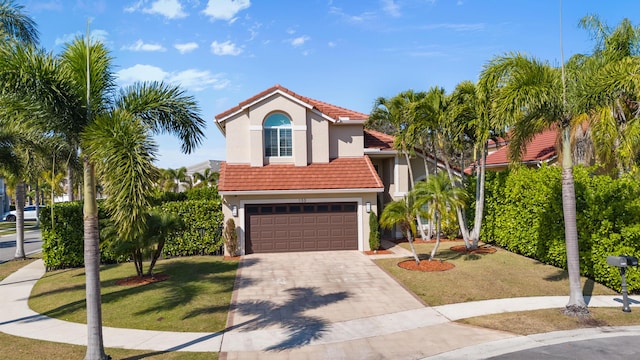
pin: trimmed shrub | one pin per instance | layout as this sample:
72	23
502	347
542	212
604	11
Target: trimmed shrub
523	214
374	231
231	237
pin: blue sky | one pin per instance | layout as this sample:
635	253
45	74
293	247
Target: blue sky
343	52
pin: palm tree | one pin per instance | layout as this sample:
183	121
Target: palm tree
443	198
530	96
15	24
402	213
207	178
398	113
612	93
75	95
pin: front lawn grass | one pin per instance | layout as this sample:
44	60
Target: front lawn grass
9	267
481	277
196	296
18	348
547	320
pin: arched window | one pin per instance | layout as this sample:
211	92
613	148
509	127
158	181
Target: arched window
277	136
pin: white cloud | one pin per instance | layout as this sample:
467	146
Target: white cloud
300	40
142	46
140	72
96	35
191	79
171	9
391	8
186	47
364	17
332	44
134	7
225	48
225	9
198	80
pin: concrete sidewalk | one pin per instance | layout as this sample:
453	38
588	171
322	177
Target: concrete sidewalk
415	332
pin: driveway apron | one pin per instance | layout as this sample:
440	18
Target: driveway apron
294	298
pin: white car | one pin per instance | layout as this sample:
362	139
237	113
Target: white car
29	213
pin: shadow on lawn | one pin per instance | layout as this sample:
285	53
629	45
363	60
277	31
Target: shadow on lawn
301	328
560	275
181	287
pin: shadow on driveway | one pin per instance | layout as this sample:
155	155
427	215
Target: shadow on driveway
302	329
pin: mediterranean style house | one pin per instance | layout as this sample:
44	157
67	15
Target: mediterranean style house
304	175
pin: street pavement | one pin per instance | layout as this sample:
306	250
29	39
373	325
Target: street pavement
32	244
309	306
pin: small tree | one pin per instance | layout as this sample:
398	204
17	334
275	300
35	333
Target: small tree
402	213
231	237
442	197
374	231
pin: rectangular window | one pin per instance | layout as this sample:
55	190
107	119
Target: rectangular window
271	142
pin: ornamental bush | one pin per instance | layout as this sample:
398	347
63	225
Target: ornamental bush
200	209
523	214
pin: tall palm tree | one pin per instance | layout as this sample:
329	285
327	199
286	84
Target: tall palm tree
530	96
398	114
443	198
78	99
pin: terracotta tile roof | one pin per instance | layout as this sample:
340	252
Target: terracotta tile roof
378	140
332	111
340	173
541	148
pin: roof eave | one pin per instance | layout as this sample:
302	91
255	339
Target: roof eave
301	191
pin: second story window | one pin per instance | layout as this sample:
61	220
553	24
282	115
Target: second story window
277	136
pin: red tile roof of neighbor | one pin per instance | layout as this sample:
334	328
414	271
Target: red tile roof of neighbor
541	148
340	173
332	111
377	140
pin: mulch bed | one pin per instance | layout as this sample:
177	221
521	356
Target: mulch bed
480	250
232	258
142	280
426	265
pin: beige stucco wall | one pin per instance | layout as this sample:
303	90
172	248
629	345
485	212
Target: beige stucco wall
241	200
346	140
318	145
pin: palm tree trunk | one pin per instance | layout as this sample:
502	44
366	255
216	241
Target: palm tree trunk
95	345
426	175
412	182
413	249
480	183
576	305
437	244
69	183
19	221
462	221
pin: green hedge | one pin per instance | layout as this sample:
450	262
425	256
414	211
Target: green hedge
523	214
63	243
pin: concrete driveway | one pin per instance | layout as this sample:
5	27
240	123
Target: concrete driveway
335	304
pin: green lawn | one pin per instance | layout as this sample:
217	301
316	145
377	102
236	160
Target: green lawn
28	349
196	296
481	277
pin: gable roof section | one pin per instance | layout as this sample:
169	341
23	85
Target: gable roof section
377	140
354	174
542	148
331	112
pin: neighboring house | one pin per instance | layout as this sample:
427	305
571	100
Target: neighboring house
541	150
303	175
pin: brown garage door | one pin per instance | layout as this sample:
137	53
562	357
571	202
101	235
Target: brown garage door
301	227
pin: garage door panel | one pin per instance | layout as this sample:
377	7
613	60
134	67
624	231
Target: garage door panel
295	227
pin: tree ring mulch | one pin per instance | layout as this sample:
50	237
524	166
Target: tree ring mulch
480	250
426	265
142	280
